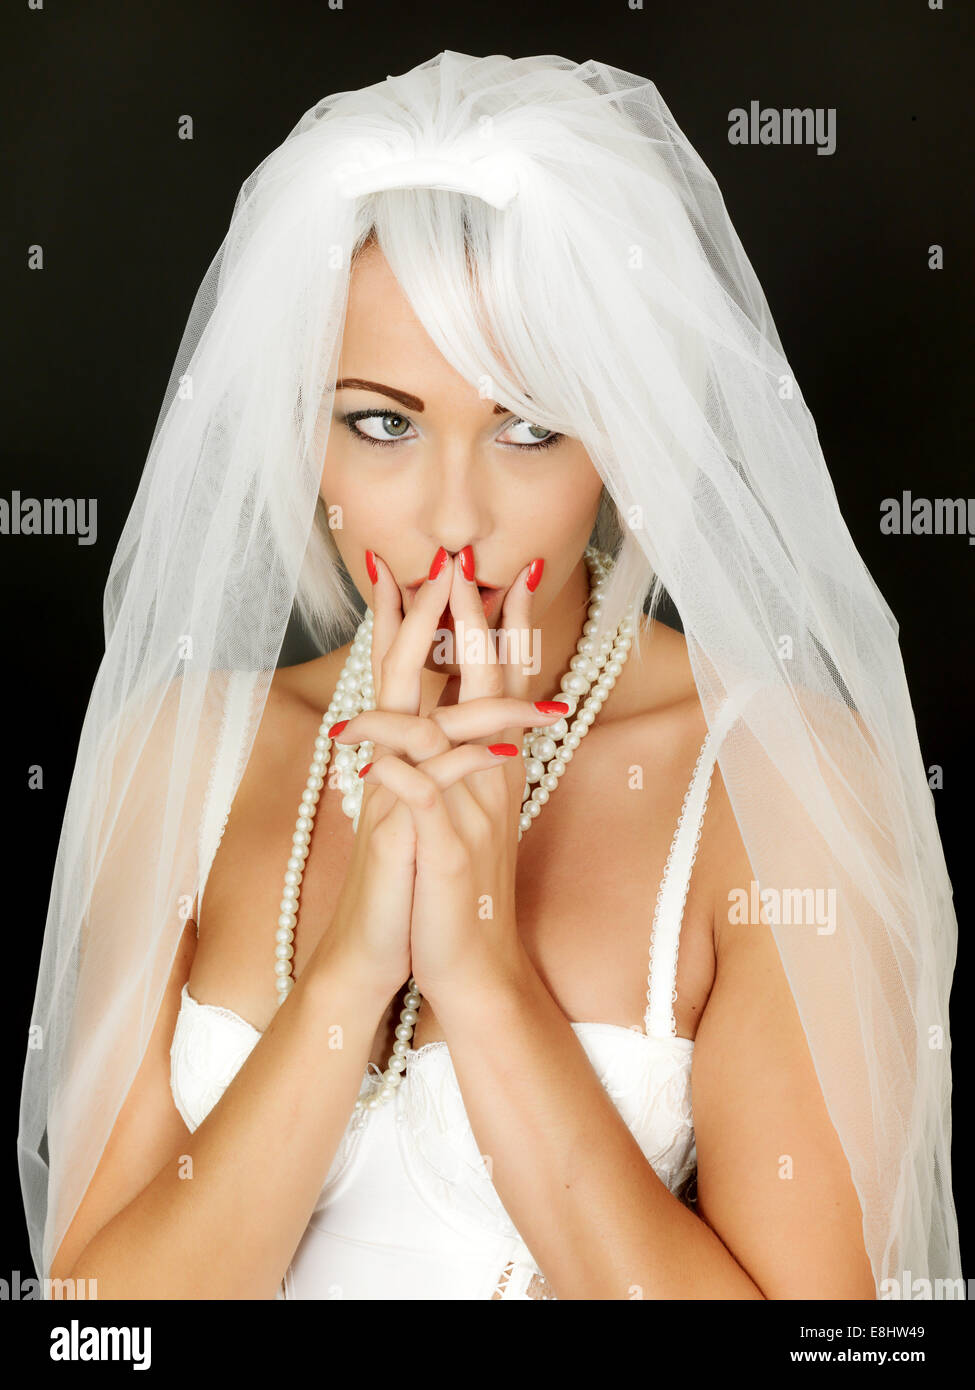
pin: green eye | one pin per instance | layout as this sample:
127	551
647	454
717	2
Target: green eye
395	425
534	436
378	426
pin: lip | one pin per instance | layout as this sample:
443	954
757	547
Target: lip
416	583
489	594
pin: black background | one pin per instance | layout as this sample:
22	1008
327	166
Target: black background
130	216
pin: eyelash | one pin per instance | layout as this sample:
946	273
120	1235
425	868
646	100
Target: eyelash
352	416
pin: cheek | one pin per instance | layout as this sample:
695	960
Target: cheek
571	506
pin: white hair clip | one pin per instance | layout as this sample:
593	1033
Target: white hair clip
492	177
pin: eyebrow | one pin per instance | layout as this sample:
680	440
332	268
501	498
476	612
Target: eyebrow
404	397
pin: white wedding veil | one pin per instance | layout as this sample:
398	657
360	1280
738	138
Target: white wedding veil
569	254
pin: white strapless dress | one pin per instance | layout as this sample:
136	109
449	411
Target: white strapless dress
408	1209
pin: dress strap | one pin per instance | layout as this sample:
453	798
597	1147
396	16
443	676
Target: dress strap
668	916
225	772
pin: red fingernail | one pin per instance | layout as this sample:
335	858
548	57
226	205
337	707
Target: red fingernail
439	560
467	561
337	728
371	566
534	575
551	707
365	769
503	750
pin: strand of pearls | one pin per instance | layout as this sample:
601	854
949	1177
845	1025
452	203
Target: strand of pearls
593	671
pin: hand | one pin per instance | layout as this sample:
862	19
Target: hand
465	805
371	921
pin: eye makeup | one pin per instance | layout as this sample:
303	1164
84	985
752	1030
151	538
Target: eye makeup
350	417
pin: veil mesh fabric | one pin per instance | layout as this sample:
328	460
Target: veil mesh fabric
611	299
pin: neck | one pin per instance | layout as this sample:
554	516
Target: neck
553	644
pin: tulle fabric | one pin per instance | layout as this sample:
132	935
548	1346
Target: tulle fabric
570	254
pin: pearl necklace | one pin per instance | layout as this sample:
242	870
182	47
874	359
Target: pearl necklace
547	752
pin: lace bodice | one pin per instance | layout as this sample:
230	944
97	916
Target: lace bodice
421	1145
408	1208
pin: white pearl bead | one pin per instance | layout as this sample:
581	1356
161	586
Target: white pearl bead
571	742
524	822
550	781
284	934
575	683
539	796
281	967
533	809
614	668
534	768
543	748
287	920
350	804
300	837
283	950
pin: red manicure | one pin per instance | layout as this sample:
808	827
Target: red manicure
439	560
534	575
337	728
551	707
371	567
365	769
503	750
467	561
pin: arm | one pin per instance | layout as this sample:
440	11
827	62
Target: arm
230	1230
582	1195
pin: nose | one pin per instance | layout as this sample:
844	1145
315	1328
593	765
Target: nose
456	513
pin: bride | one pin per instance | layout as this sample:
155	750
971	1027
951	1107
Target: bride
448	1021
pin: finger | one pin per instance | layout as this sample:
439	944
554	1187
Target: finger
420	793
516	620
387	617
444	807
424	737
445	770
416	736
405	657
480	674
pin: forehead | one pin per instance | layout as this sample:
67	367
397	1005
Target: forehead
381	326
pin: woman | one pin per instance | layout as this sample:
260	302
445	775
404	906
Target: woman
526	316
